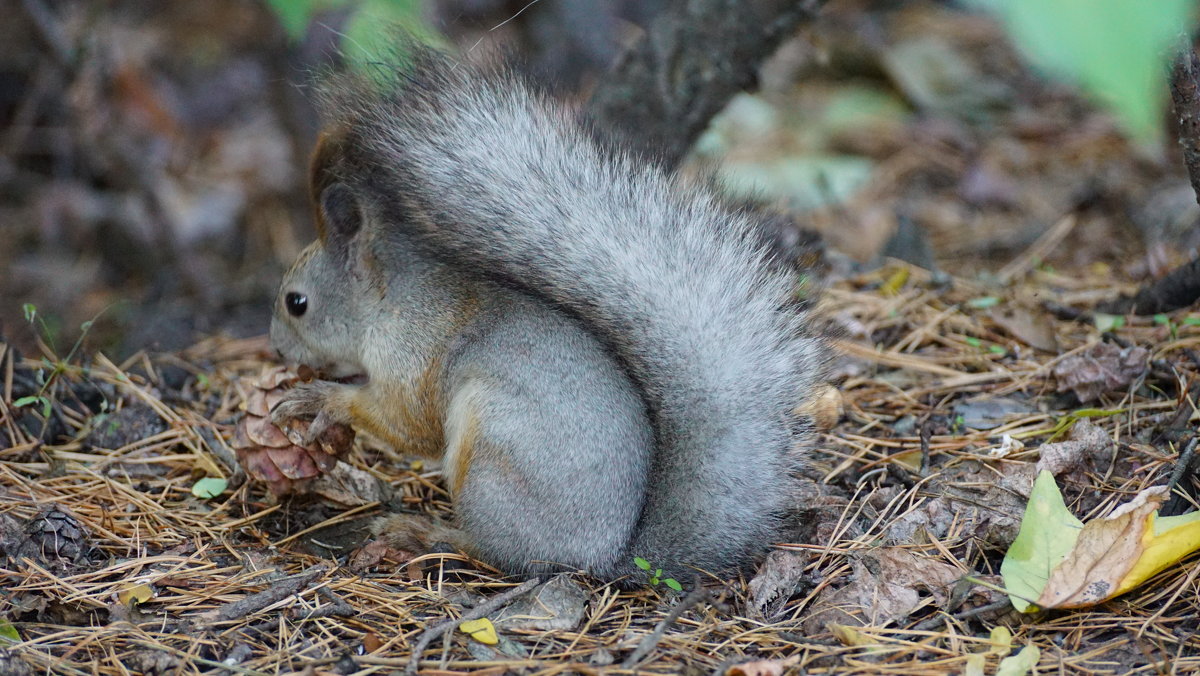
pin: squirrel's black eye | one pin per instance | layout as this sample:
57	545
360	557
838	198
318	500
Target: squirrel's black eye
297	303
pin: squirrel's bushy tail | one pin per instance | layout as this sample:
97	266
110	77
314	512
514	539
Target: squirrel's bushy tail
488	174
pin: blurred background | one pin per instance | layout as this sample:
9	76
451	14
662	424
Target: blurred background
152	154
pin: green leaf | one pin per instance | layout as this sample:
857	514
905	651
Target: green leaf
1116	50
1108	322
973	341
1191	321
997	349
1161	319
1048	533
641	563
30	311
673	584
8	632
1021	663
983	302
209	487
25	401
654	580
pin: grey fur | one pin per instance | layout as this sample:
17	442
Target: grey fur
484	175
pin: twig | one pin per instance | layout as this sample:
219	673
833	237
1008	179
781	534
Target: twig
937	620
432	633
1182	464
337	607
1038	251
694	597
278	591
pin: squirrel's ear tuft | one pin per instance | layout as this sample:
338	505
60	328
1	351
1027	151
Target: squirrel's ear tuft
322	173
340	215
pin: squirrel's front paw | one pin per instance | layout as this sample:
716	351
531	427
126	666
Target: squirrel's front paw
319	401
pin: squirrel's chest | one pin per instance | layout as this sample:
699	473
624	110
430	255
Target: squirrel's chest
408	416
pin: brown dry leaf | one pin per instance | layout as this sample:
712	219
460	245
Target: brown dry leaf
269	455
1106	550
371	642
1101	368
558	605
776	581
376	553
1089	447
1035	329
349	486
762	667
886	586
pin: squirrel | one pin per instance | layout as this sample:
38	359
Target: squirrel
602	356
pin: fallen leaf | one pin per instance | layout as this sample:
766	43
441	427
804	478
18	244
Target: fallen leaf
350	486
209	487
1001	640
375	553
1089	446
975	665
371	642
1048	531
1103	367
888	584
850	636
8	632
762	667
481	630
557	605
135	595
777	580
985	414
1059	562
1021	663
1035	329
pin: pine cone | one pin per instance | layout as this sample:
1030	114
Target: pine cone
56	535
266	452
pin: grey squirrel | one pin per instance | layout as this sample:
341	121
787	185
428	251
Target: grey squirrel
600	354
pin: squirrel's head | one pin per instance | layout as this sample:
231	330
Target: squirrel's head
318	317
318	312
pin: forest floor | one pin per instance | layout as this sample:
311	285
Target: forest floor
116	566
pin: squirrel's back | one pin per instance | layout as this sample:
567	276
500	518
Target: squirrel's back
490	176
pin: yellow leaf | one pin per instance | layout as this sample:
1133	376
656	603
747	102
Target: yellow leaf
910	459
481	630
1001	640
1104	552
975	665
895	282
850	636
1060	565
135	595
1164	542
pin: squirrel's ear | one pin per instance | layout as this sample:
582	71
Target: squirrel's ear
340	215
322	173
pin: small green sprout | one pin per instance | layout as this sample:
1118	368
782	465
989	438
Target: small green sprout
656	576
